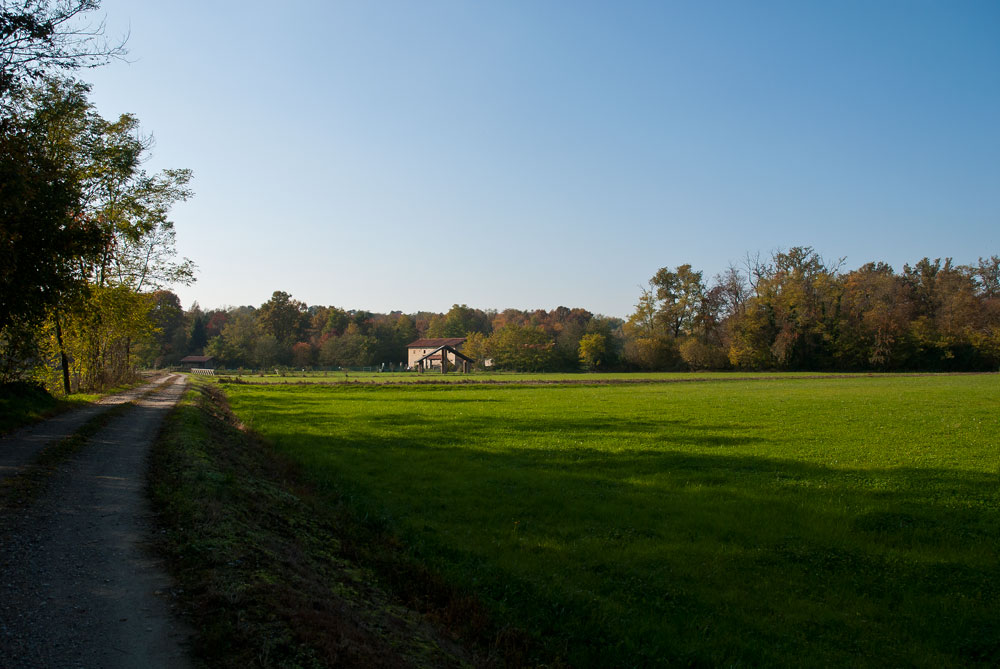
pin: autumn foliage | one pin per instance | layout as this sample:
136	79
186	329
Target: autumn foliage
795	311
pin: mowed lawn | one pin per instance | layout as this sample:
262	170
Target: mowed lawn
799	522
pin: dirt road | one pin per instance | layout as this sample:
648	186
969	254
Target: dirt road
77	586
19	448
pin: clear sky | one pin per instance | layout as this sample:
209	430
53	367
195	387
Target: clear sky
532	153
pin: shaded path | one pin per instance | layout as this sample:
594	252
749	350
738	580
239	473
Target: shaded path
19	448
77	588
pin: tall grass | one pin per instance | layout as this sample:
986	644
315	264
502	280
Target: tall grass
781	521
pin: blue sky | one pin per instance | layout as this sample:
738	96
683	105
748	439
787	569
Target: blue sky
530	154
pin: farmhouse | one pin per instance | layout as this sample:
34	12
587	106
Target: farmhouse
429	353
197	361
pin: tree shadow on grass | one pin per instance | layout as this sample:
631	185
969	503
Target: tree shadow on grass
427	400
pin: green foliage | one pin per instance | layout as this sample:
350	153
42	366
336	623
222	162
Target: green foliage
336	322
283	318
340	338
353	348
593	350
238	340
129	205
102	335
461	320
522	348
768	522
92	226
267	352
199	337
647	346
170	340
43	240
476	346
680	295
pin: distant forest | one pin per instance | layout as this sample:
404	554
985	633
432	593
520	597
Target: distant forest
791	311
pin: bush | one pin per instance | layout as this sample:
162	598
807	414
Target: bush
702	355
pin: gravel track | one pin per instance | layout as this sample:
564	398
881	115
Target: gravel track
19	449
78	585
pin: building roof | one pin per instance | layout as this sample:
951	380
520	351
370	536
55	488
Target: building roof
197	358
435	343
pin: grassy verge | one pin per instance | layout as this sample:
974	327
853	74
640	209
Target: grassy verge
271	575
808	522
23	404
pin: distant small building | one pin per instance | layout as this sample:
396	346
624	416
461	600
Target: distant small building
422	347
198	362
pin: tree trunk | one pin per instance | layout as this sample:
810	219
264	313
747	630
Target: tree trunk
63	359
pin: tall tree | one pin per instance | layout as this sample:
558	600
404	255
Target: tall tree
43	235
794	311
522	348
116	193
987	275
950	319
126	205
876	309
461	320
199	335
679	294
236	344
45	240
284	318
647	344
167	318
593	350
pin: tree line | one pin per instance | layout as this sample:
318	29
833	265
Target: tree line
285	332
790	311
795	311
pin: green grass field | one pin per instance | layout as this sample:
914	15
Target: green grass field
789	521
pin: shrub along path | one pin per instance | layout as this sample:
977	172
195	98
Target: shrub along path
77	587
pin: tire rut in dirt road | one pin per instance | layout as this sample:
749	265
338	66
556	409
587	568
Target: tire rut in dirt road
78	588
